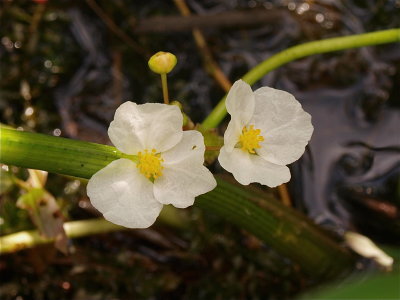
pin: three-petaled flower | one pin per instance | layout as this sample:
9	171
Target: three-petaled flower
165	166
268	130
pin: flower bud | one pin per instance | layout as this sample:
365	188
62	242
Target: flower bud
162	62
177	103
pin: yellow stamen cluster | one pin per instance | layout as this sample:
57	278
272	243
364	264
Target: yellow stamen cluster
149	164
250	138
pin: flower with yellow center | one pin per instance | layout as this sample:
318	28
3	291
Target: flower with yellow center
250	139
268	130
166	166
149	164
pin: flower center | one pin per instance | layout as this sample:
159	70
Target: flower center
250	138
149	164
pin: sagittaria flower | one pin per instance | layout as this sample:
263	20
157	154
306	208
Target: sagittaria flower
164	165
268	130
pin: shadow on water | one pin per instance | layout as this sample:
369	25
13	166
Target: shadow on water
348	178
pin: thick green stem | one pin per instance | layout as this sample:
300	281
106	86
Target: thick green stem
296	52
52	154
280	227
288	232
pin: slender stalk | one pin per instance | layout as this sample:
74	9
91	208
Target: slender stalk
164	84
27	239
213	148
303	50
114	28
76	229
211	65
289	233
284	195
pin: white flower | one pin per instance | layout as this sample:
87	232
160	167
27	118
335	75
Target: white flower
166	166
268	130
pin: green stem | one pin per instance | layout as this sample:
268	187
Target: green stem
289	233
27	239
53	154
303	50
164	84
76	229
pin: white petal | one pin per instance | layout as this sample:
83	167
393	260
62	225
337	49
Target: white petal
189	149
122	130
231	135
247	168
123	195
184	176
287	144
179	185
285	126
146	126
240	103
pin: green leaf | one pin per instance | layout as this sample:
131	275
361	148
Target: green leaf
380	286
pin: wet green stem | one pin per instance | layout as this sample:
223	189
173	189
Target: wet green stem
303	50
288	232
285	230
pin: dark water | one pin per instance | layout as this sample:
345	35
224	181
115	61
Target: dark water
66	73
